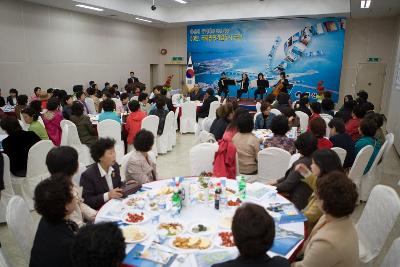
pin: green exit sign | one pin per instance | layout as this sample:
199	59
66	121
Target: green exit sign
374	59
177	58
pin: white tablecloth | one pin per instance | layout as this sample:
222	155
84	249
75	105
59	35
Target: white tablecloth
194	213
198	103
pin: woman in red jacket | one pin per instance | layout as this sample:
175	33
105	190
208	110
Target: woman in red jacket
318	129
134	121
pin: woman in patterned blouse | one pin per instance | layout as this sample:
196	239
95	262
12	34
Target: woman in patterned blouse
280	126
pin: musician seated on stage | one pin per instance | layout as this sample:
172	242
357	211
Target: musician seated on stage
244	86
222	86
282	85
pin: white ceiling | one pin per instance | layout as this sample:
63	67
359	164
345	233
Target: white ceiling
171	13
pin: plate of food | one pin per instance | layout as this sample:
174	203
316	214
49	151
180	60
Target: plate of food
134	234
191	243
172	228
134	202
135	217
201	228
233	203
230	191
201	196
224	239
225	222
165	190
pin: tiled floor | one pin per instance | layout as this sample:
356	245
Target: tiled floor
175	163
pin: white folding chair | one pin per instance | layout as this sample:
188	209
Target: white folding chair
197	130
118	105
371	178
392	258
21	225
112	129
255	116
201	158
135	97
207	122
188	117
90	105
303	120
36	171
376	222
390	141
341	153
124	165
23	125
175	98
77	176
361	161
3	260
218	97
8	192
328	130
70	137
293	159
164	144
273	163
150	123
258	107
326	116
212	113
276	111
175	126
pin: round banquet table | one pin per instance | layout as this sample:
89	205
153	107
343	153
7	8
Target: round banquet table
195	212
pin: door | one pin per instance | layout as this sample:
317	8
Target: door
371	77
153	75
179	75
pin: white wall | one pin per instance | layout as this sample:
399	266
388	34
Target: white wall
51	47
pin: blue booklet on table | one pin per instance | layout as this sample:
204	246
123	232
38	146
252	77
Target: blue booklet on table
152	257
285	241
288	213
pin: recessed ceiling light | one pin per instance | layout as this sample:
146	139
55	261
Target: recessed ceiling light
90	7
145	20
365	3
181	1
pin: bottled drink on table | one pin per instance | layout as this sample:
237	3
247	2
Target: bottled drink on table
242	187
217	196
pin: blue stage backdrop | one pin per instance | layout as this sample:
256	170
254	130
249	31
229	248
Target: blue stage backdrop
308	50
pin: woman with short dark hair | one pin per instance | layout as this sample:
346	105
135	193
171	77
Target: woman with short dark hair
101	181
340	138
318	129
22	103
52	118
224	117
108	106
55	235
368	128
86	131
279	127
160	112
264	119
134	122
334	241
141	166
31	118
12	98
253	232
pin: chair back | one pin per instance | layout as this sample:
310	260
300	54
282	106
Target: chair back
392	258
201	158
7	175
276	111
341	153
326	116
37	159
3	260
255	116
377	158
293	159
109	129
303	120
69	136
21	225
212	113
176	115
273	163
124	165
188	117
218	97
361	161
207	122
376	221
175	98
41	121
390	141
169	122
135	97
150	123
90	105
328	130
258	107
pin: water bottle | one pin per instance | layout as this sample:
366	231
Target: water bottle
242	188
217	196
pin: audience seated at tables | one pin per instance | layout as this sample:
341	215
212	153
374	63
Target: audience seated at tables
253	232
340	138
52	118
100	245
354	123
64	160
144	102
160	112
283	101
318	129
141	168
345	113
264	119
66	104
109	113
92	94
224	117
333	241
247	145
12	98
31	118
303	106
17	144
2	100
55	235
368	128
22	103
80	96
324	161
125	100
87	134
101	181
279	127
291	184
208	99
196	94
36	94
327	107
168	100
380	135
290	114
315	111
134	121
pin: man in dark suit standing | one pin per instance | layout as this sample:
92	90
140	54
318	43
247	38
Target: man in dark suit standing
208	99
101	181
